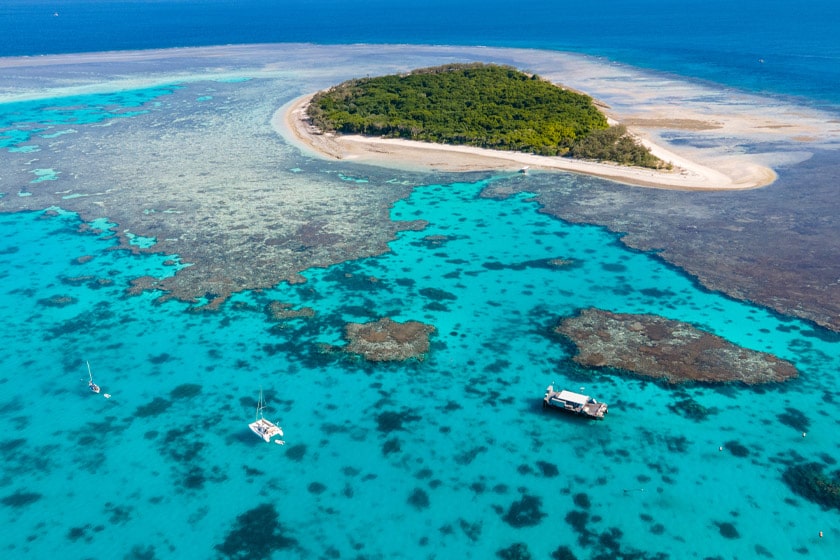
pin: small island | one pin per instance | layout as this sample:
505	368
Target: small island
482	105
392	121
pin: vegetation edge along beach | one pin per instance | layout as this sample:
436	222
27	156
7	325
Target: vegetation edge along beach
477	104
397	143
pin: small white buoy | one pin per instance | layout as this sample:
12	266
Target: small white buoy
804	434
820	534
107	395
720	448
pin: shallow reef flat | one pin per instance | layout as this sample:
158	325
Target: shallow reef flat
661	348
447	456
388	340
177	150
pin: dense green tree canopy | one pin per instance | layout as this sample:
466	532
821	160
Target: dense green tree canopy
483	105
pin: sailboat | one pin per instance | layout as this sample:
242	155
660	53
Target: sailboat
265	428
93	386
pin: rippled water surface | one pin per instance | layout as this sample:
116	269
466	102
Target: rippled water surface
451	455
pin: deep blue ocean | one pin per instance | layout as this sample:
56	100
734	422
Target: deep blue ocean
446	457
760	45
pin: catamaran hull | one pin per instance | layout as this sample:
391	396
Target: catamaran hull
265	429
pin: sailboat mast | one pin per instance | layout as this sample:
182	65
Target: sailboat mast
260	405
90	375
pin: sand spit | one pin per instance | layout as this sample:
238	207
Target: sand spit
738	173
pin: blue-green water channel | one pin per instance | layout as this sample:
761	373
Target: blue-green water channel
451	456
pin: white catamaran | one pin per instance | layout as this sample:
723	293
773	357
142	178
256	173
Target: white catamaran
265	428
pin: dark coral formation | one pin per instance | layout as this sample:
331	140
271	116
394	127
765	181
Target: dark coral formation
471	530
392	445
662	348
279	311
551	263
548	470
257	534
809	481
57	301
387	340
419	499
20	499
737	449
296	452
156	407
727	530
185	391
605	545
582	500
794	418
468	455
563	553
436	294
516	551
691	409
84	533
140	552
525	512
393	421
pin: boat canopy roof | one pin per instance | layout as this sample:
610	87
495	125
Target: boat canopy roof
572	397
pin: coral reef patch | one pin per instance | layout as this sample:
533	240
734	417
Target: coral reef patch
280	311
387	340
20	499
727	530
516	551
691	409
809	481
57	301
256	534
653	346
525	512
185	391
419	499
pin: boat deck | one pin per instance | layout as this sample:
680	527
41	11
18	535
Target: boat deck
266	429
574	402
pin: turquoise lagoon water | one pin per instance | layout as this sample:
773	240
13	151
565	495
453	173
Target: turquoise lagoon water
447	457
25	123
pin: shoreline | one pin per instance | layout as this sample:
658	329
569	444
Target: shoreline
291	123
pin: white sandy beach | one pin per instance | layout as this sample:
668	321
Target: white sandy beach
737	173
